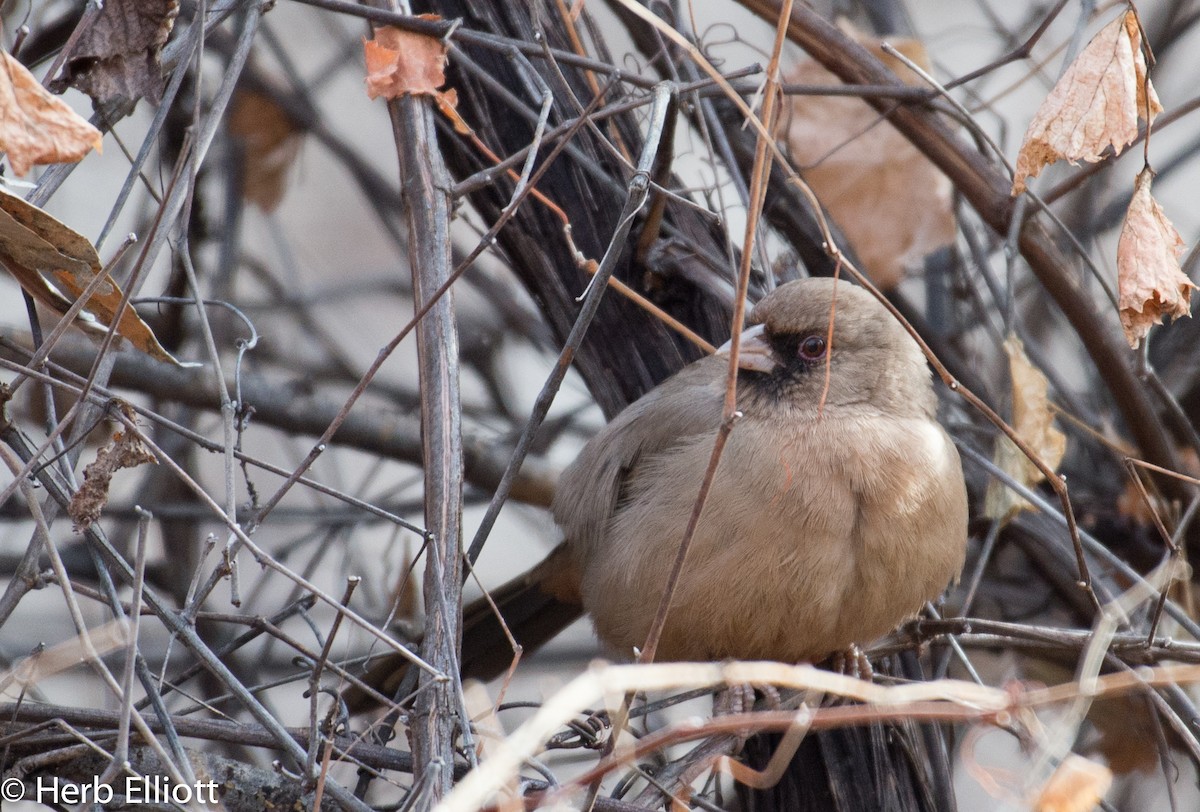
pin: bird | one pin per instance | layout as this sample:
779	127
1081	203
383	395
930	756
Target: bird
837	509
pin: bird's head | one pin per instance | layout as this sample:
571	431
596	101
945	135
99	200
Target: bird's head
872	361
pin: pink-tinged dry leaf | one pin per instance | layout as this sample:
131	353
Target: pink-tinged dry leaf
893	205
55	264
1094	106
116	57
1150	283
37	127
1077	785
400	62
1033	421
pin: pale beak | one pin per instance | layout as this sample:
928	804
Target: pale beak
754	352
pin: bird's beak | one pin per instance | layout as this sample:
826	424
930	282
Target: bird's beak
754	352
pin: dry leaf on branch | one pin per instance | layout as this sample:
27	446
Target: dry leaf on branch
116	58
125	451
1078	785
1033	421
55	264
270	143
1150	283
893	205
1094	106
400	62
37	127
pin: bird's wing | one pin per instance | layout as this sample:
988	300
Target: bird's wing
589	491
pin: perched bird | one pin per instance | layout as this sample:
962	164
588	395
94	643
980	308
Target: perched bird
835	513
838	507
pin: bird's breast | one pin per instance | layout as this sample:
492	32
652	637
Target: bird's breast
814	536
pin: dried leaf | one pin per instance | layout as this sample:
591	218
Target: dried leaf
1033	418
1078	785
125	451
55	264
116	57
270	142
1094	106
1033	421
448	104
1150	283
1125	733
400	62
1000	502
36	127
893	205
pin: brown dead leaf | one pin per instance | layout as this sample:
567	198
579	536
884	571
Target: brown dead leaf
1150	283
116	57
1095	105
401	62
1000	502
37	127
1077	785
1126	734
1033	421
1033	418
125	451
55	264
893	205
270	141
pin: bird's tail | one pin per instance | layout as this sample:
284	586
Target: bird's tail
535	606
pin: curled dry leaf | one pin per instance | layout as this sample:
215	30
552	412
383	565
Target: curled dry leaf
55	264
1077	785
270	143
892	203
1033	421
37	127
1094	106
116	56
125	451
400	62
1150	283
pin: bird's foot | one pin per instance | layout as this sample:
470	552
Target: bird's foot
733	700
853	663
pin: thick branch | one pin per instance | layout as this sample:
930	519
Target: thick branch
425	188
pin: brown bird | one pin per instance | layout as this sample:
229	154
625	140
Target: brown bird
837	510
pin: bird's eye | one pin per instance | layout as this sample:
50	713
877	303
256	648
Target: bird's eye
812	348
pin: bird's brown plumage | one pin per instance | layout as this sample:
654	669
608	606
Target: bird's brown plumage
835	513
